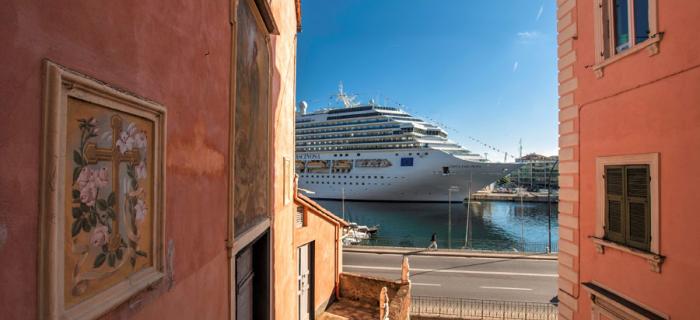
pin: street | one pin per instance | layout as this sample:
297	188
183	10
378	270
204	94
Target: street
462	277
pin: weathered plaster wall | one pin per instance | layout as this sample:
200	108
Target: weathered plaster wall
284	77
642	104
178	55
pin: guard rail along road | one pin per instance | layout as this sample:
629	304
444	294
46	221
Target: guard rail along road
428	308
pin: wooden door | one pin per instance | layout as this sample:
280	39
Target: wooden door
303	283
244	284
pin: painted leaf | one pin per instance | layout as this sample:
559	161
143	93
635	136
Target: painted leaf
141	253
86	225
76	173
77	225
102	204
99	260
120	253
133	261
110	213
77	158
111	200
111	260
77	213
93	220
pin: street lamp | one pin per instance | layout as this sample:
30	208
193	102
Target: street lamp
549	208
469	202
449	215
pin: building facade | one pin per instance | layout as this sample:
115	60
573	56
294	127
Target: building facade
628	139
537	172
147	161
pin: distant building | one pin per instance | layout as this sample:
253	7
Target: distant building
629	138
537	172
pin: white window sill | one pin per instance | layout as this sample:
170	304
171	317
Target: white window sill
652	46
653	259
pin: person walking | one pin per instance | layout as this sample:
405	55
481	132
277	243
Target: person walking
433	242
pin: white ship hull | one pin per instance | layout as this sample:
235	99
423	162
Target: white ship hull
424	181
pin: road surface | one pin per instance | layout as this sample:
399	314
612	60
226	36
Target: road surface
472	278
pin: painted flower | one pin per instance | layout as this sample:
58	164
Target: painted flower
99	236
131	138
125	142
84	177
88	194
141	210
100	177
89	181
141	170
140	139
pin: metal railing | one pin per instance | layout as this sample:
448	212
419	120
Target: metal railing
481	309
474	244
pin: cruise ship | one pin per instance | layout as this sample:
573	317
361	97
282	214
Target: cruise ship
371	152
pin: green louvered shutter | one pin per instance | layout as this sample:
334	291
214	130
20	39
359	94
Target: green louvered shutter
614	203
637	205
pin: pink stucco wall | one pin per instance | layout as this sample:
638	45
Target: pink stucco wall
644	104
176	53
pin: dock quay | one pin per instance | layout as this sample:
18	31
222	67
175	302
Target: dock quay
526	196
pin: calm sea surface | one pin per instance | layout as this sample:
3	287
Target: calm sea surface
493	225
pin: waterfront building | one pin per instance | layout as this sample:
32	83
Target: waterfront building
629	147
97	219
537	172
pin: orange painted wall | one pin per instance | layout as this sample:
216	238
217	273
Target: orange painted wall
328	250
284	78
645	104
177	54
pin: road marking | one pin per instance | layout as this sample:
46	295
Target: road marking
546	275
506	288
426	284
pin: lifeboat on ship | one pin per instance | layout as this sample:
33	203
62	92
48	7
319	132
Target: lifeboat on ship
299	166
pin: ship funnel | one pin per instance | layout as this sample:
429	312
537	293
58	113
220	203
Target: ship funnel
303	106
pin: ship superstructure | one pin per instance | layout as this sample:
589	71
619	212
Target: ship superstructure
379	153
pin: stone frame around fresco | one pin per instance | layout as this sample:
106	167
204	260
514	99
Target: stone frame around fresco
60	84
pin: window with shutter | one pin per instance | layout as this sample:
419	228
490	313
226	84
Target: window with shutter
614	203
299	220
638	206
627	209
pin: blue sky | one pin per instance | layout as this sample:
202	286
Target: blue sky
482	69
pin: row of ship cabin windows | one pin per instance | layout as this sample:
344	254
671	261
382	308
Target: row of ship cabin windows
396	154
348	183
391	146
345	177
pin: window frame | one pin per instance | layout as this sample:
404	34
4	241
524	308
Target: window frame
649	159
653	255
625	199
603	12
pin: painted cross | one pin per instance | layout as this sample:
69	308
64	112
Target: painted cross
94	154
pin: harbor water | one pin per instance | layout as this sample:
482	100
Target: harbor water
493	225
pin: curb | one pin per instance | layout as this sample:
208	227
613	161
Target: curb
446	253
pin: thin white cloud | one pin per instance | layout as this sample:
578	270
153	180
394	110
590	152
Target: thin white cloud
528	35
515	66
539	13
